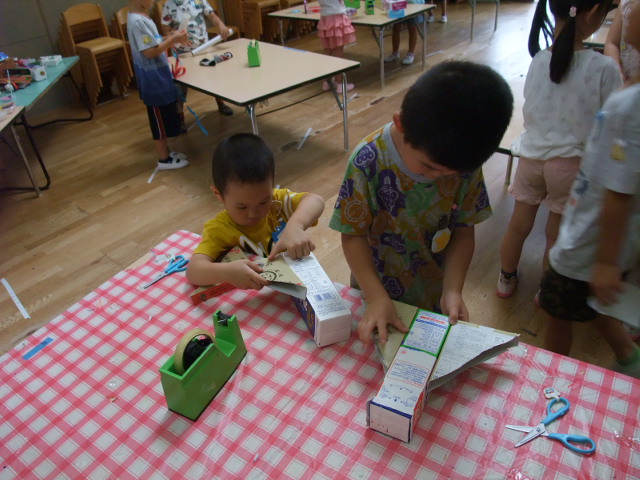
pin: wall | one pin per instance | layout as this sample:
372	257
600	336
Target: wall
29	29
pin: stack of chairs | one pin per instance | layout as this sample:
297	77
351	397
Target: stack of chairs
119	30
256	21
83	32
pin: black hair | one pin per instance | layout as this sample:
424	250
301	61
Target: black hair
562	46
457	113
243	157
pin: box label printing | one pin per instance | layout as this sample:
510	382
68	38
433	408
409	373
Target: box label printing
397	406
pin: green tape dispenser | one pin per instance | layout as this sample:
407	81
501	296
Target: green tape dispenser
194	375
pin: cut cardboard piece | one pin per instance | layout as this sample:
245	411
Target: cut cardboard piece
432	353
324	311
278	272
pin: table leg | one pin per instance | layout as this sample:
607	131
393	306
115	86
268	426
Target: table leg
26	165
344	112
424	37
84	100
251	111
27	129
381	44
280	21
473	17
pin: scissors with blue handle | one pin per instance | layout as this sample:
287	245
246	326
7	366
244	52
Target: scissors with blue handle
572	442
177	264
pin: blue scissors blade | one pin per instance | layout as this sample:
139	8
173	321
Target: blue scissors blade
520	428
158	278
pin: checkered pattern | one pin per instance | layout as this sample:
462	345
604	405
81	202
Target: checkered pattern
90	403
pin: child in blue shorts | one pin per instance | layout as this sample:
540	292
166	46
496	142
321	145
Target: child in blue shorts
155	81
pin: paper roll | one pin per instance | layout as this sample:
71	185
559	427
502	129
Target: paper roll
214	41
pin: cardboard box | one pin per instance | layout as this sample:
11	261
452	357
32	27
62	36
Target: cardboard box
395	8
396	408
325	312
415	364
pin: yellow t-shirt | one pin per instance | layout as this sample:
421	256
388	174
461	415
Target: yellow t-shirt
221	233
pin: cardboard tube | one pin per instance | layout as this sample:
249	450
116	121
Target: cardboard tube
214	41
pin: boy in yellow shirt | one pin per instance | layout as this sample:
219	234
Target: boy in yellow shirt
259	218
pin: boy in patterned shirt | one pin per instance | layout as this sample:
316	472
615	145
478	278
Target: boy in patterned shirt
414	190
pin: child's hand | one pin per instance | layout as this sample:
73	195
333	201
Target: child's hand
244	274
378	314
180	36
453	306
293	240
225	31
605	282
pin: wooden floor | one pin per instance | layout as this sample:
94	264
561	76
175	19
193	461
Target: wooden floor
101	214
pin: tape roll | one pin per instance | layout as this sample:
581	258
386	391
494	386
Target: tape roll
178	359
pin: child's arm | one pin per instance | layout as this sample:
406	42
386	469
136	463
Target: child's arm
614	217
179	36
222	28
202	270
612	43
294	239
379	309
458	257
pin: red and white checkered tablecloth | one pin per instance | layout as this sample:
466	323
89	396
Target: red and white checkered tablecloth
90	404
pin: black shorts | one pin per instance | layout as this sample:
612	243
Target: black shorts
564	297
164	121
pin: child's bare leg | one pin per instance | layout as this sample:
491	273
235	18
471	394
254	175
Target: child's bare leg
413	37
395	37
558	335
551	234
162	149
519	228
617	337
444	8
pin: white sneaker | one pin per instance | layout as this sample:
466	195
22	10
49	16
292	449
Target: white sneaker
408	60
443	19
430	18
173	164
392	57
506	286
179	155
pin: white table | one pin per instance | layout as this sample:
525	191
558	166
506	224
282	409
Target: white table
379	21
282	69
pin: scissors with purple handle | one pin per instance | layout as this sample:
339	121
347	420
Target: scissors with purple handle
177	264
572	442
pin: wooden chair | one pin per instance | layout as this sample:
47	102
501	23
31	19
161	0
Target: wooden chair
213	30
256	20
83	32
233	14
119	30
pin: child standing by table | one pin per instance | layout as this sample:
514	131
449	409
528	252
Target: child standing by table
190	14
565	87
598	241
414	190
625	55
243	178
335	31
412	27
155	82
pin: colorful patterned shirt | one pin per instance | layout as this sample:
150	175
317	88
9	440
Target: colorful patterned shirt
189	15
406	218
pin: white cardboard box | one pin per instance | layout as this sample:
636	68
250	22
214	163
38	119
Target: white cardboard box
325	312
396	408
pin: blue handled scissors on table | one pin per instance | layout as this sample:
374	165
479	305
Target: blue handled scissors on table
568	440
177	264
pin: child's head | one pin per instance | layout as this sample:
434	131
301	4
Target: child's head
575	20
456	114
243	174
